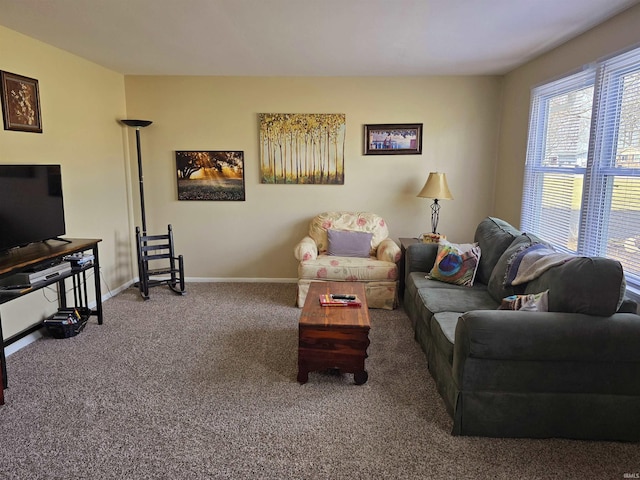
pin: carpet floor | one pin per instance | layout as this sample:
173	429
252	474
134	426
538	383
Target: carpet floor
204	386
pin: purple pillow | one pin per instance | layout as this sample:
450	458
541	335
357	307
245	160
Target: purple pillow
344	243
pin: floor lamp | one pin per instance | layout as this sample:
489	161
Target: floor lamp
138	124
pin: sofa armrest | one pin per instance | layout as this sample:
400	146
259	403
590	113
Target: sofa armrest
546	336
420	257
306	249
388	251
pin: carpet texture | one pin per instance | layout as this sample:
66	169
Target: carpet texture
204	386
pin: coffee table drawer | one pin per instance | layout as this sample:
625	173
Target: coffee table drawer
347	342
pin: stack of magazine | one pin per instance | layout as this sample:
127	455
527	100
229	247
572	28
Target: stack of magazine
339	300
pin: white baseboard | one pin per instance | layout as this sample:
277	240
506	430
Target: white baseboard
23	342
239	280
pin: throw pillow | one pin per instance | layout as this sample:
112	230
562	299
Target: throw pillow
456	263
538	302
347	243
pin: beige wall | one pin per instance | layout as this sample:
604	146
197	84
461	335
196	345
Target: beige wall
255	238
619	33
462	116
80	103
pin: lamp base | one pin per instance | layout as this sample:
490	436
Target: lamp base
432	237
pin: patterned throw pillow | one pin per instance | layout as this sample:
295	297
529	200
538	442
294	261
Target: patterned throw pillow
456	263
533	302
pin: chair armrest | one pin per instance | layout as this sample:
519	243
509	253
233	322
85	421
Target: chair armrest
306	249
388	251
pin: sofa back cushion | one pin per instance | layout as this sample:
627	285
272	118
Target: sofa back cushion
497	285
494	236
348	221
590	285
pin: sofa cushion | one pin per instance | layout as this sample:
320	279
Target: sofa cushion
497	281
345	243
591	285
457	299
416	281
443	332
494	236
455	263
350	269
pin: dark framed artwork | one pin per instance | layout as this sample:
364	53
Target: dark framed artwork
210	175
20	103
393	139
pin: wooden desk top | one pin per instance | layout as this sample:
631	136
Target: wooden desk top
315	315
42	251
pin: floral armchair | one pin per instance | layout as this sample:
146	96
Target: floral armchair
350	247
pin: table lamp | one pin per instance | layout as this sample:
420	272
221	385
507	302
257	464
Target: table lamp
436	188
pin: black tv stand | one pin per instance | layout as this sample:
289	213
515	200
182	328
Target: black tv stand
35	255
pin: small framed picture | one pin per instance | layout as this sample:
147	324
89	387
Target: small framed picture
393	139
20	103
210	175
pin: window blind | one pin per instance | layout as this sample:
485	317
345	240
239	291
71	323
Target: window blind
556	159
582	172
611	219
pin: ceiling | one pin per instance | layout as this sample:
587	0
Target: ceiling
307	37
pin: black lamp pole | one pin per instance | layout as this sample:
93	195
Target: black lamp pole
138	124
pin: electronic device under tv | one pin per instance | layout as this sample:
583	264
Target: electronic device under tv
31	205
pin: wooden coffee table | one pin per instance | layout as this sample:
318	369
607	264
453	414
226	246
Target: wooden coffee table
333	337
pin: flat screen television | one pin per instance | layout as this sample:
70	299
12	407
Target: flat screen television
31	206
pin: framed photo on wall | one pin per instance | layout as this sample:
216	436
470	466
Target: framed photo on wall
210	175
393	139
20	103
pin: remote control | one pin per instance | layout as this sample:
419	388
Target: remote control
343	297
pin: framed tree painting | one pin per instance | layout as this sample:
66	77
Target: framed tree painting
20	103
302	148
393	139
210	175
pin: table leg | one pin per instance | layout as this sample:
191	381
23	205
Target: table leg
360	377
303	375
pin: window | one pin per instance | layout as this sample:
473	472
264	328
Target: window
582	173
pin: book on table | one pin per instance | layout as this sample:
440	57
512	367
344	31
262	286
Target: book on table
339	300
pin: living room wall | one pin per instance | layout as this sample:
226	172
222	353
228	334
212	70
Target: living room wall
80	105
462	116
618	34
254	239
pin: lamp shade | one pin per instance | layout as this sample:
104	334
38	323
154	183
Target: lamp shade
137	123
436	187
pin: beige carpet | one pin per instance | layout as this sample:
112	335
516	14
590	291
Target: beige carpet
203	386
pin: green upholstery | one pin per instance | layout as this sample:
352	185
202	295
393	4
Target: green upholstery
571	372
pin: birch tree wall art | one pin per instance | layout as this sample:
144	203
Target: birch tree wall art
302	148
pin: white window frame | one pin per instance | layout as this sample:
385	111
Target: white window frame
600	169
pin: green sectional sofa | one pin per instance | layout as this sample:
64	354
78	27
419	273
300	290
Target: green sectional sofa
570	372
